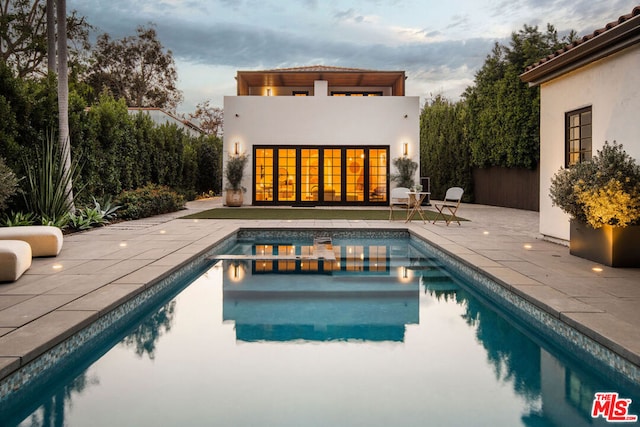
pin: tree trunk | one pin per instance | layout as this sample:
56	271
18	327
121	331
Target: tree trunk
63	97
51	36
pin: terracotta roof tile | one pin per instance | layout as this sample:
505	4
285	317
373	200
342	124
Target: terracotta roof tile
317	68
586	38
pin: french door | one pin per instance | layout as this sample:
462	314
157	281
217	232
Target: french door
320	175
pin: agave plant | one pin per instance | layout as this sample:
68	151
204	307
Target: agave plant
16	219
107	209
48	193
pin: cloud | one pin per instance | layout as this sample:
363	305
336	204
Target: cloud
440	52
350	15
251	46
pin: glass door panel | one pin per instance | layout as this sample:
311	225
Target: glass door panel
332	175
377	175
355	175
286	174
264	174
309	175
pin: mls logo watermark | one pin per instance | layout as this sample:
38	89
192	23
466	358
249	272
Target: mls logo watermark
612	408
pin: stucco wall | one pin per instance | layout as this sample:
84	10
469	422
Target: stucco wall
611	86
323	121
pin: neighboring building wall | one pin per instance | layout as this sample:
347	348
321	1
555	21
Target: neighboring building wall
161	117
611	87
321	121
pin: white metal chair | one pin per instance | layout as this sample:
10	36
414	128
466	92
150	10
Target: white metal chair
451	202
399	196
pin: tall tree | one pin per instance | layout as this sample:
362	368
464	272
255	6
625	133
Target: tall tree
444	146
136	68
210	119
63	95
503	111
23	36
51	36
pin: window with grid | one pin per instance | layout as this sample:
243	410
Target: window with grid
355	175
309	174
264	174
578	136
378	172
286	174
332	174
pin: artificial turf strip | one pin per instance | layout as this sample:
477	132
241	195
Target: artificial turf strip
304	213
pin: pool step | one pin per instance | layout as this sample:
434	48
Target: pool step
322	250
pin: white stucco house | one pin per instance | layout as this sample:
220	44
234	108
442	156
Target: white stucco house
589	94
320	135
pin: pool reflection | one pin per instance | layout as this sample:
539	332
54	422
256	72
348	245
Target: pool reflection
284	293
321	342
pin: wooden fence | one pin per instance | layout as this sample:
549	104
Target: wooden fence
507	187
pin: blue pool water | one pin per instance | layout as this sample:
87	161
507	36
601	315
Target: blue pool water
270	335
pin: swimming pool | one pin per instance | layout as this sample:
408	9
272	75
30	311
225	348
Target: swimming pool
373	332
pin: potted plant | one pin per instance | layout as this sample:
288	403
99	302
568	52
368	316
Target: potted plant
602	196
406	172
234	171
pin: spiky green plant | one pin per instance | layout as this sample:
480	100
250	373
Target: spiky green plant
48	183
17	219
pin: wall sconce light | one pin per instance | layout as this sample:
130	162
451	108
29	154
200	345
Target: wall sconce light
405	148
236	148
236	271
268	91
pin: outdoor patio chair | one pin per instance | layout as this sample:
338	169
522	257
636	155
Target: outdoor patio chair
450	203
399	196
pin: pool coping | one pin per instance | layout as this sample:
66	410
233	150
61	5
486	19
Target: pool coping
71	316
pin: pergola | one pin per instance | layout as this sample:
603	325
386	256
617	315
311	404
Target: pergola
335	76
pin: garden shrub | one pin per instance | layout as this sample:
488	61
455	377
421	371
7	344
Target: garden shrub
152	199
8	184
602	191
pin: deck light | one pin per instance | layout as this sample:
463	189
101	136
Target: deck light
485	233
528	246
597	269
123	244
57	266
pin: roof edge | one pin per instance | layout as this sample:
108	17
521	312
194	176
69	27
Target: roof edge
606	41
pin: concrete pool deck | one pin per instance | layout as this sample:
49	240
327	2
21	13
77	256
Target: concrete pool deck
100	269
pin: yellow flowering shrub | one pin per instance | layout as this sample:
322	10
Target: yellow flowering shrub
610	204
602	191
